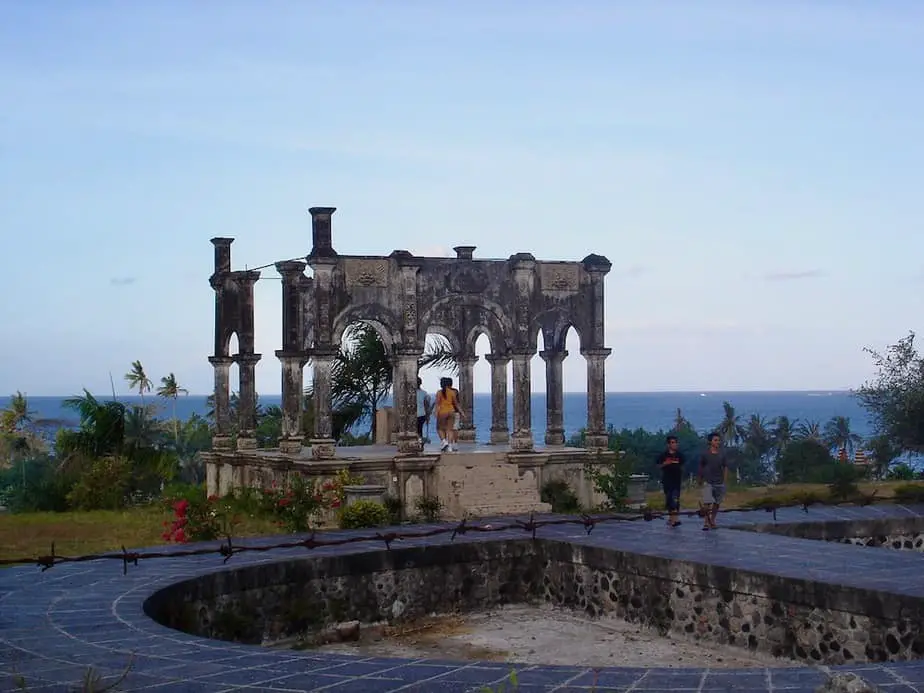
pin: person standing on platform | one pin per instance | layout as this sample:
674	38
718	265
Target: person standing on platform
671	462
713	475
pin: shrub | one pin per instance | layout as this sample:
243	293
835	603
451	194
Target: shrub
103	486
296	505
560	496
196	517
843	485
909	493
613	480
364	513
395	509
901	472
35	485
429	508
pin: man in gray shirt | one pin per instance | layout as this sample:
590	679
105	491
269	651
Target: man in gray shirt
713	472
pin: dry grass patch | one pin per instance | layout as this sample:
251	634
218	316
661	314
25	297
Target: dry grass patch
78	533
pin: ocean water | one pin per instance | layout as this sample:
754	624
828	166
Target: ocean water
649	410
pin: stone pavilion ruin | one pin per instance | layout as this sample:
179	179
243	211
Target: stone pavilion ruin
511	301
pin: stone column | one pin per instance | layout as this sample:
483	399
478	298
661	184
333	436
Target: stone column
405	396
500	434
596	435
522	439
222	438
292	387
467	397
247	402
322	443
554	397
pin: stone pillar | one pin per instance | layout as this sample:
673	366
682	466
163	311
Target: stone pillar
467	397
292	388
596	435
522	439
405	396
247	402
554	397
222	438
322	444
500	434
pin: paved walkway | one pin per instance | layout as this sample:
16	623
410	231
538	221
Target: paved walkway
53	625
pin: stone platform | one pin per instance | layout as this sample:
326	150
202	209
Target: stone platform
53	625
474	481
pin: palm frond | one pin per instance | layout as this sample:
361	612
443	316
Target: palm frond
439	354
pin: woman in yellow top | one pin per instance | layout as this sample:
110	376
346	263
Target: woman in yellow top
447	409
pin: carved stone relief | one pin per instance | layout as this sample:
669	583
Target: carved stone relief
366	272
559	277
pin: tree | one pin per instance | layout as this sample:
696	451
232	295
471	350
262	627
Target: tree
783	433
438	354
681	423
137	379
837	435
361	373
809	430
170	389
101	431
894	398
730	427
805	461
758	439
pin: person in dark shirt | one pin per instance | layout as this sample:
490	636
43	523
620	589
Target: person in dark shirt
671	463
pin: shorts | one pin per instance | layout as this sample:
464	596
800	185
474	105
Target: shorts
672	497
713	493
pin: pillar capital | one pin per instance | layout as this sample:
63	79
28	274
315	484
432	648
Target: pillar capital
559	355
219	361
322	353
467	360
522	352
248	359
289	268
497	359
596	353
412	352
284	355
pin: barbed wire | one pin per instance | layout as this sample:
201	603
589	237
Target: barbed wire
228	549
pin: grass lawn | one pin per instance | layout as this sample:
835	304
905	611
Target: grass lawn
77	533
739	496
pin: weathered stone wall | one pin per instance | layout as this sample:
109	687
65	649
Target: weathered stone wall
785	618
900	533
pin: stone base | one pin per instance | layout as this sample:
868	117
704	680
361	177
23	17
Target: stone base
290	446
500	437
409	444
246	443
323	448
522	442
555	437
221	443
466	435
596	441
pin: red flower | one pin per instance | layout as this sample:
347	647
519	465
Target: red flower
212	498
180	535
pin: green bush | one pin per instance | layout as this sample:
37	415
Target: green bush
909	493
559	495
364	513
395	509
429	508
103	486
901	472
843	485
36	484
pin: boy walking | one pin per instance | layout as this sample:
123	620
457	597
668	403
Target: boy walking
713	473
671	463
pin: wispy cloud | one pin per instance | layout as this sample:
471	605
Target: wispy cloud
631	271
122	281
793	276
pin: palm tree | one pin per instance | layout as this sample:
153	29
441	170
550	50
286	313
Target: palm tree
170	389
361	373
102	427
730	428
784	431
138	379
837	435
438	353
758	439
17	416
681	423
810	430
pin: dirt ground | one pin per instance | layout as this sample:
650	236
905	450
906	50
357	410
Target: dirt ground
545	635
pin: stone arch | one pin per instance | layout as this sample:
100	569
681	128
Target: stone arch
554	326
383	320
226	338
496	311
498	344
451	336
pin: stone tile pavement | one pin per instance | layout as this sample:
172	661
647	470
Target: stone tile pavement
56	624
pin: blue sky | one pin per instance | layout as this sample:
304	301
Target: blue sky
751	168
